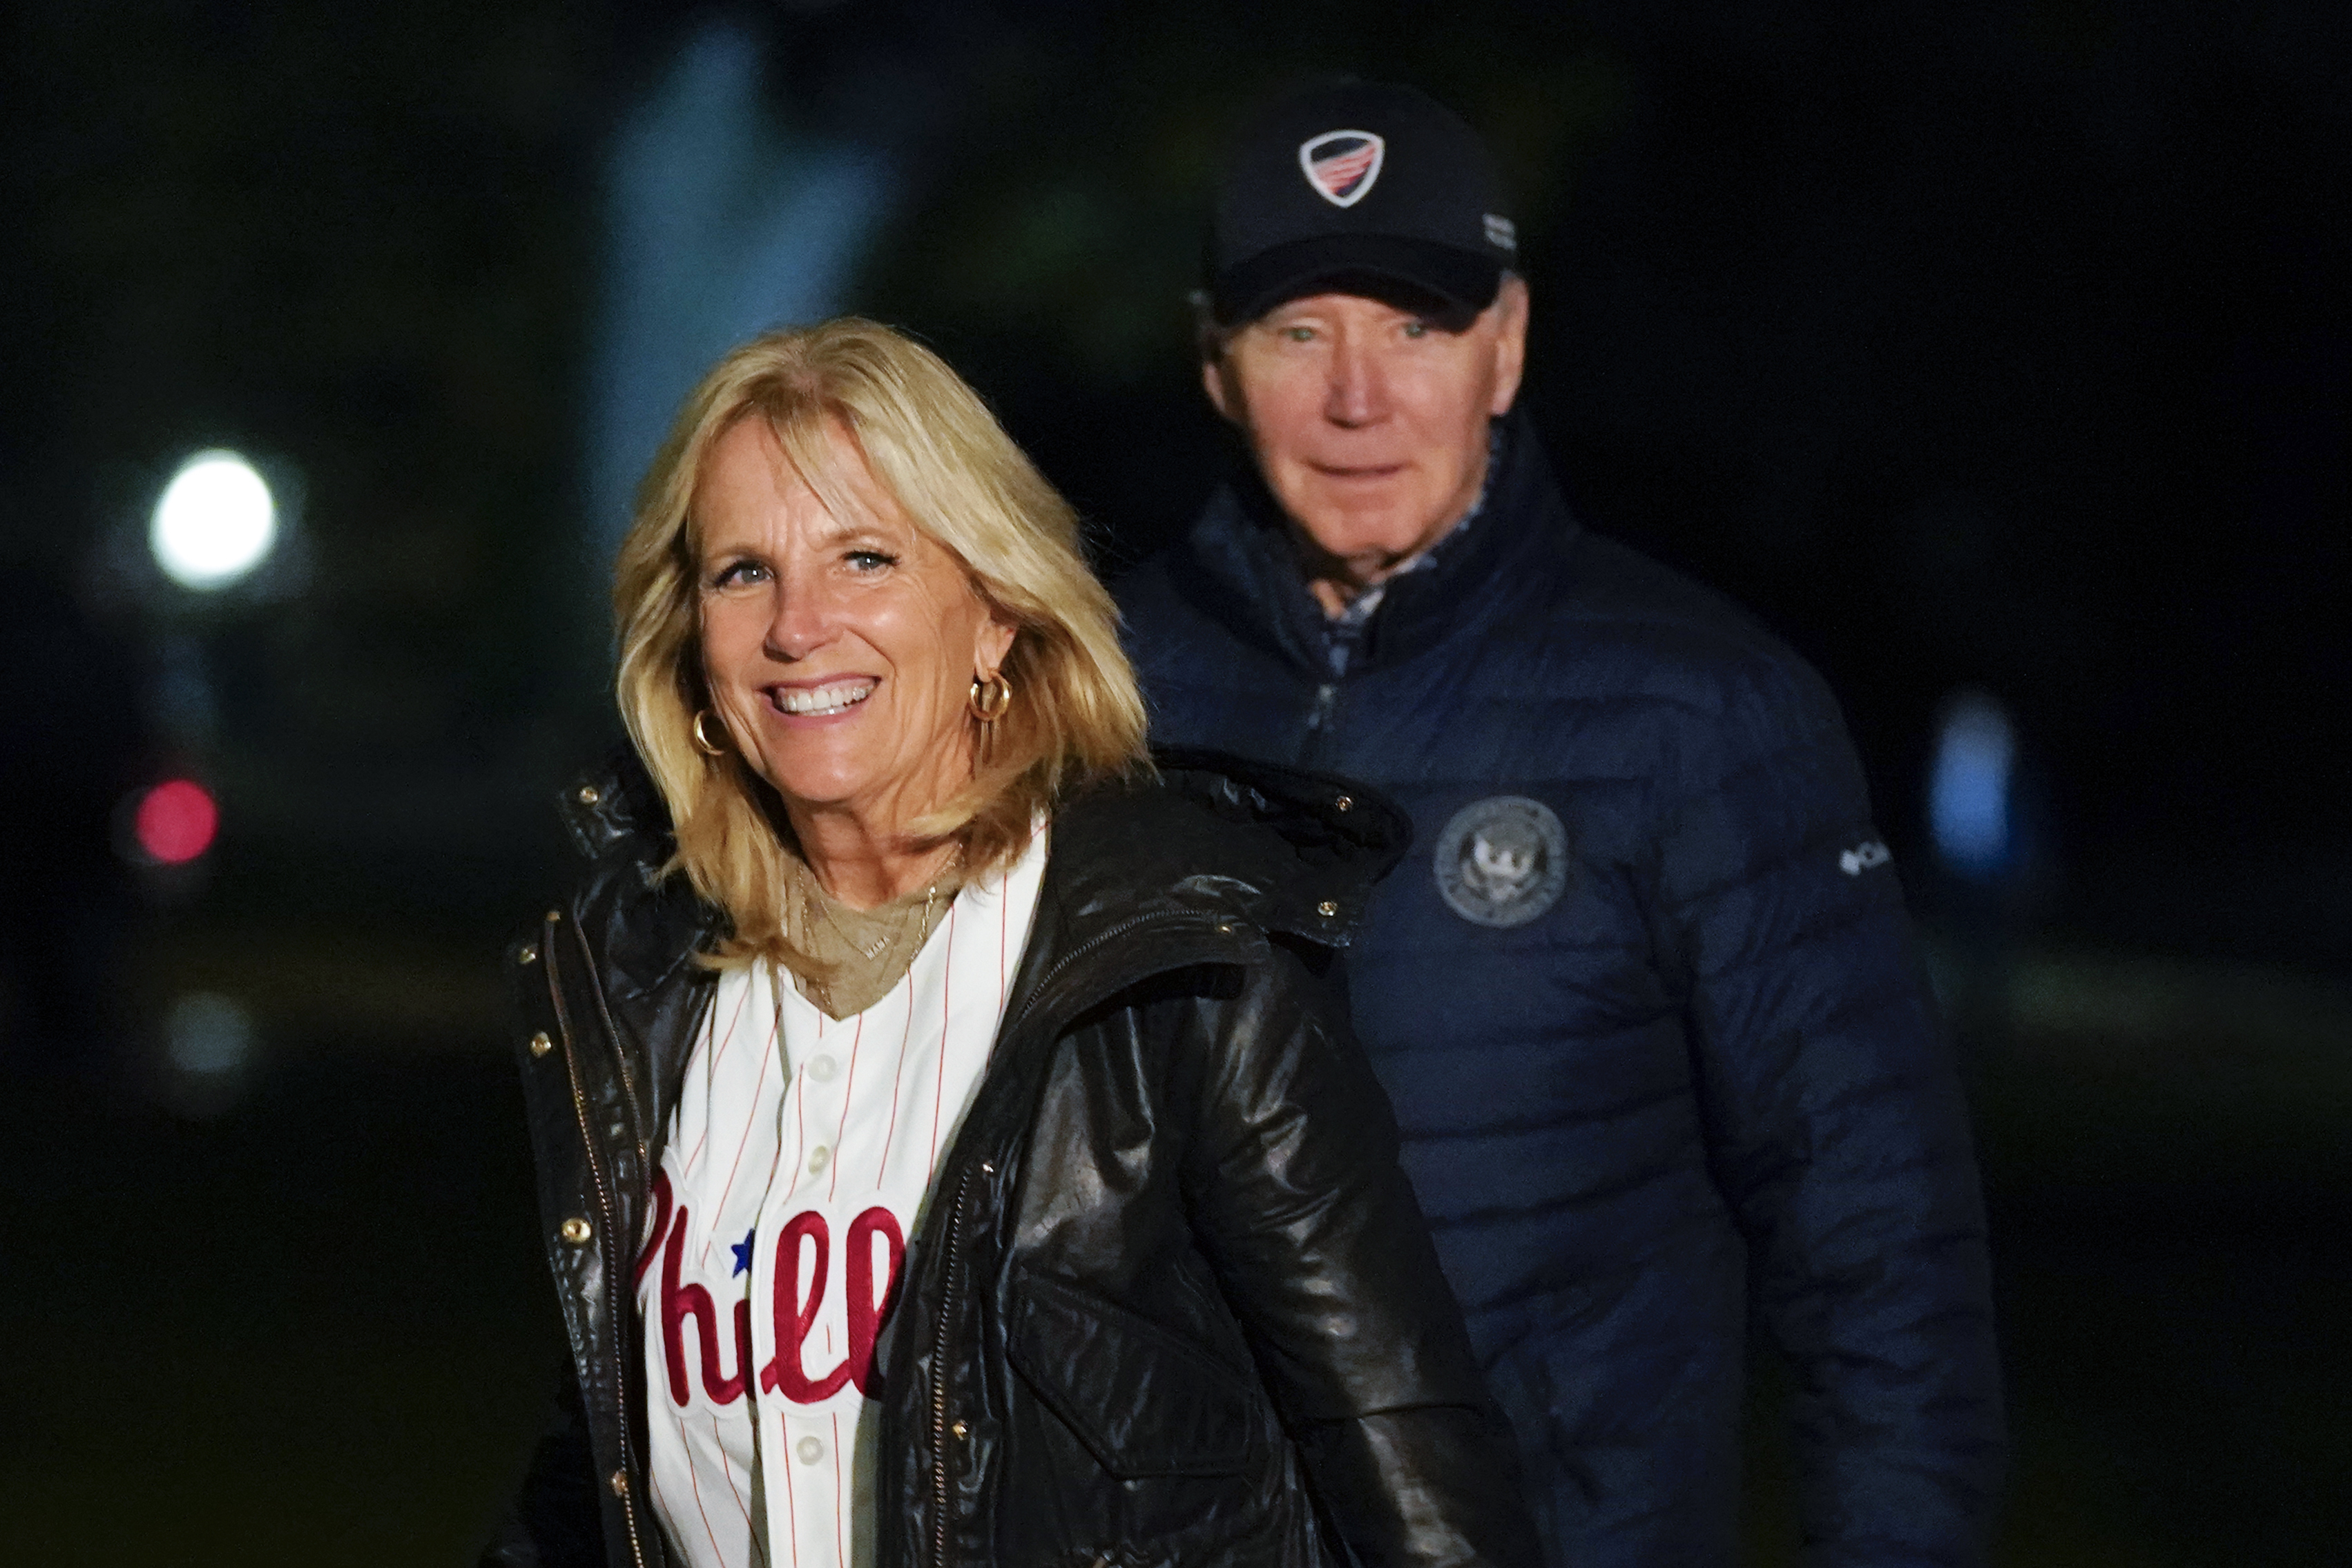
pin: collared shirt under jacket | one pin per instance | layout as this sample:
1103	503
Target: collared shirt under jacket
1171	1300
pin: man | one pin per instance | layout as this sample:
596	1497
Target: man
1644	994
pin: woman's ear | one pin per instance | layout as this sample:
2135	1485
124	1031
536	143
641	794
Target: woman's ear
993	643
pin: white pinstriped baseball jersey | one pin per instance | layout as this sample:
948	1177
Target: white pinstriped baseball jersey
799	1160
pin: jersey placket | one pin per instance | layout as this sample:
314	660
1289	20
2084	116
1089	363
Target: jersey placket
802	1444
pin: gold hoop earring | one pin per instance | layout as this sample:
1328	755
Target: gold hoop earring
702	742
992	697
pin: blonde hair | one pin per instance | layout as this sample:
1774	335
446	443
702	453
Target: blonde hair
1076	714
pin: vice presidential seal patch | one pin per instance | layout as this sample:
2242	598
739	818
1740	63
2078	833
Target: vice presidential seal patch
1503	861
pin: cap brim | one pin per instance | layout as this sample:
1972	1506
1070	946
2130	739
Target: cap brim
1461	278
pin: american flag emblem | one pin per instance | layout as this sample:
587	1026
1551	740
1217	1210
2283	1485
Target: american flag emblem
1342	164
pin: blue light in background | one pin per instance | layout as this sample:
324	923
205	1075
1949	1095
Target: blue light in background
1970	786
721	223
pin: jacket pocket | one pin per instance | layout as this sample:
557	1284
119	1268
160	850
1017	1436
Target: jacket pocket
1143	1401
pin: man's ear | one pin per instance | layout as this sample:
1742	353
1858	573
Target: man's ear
1510	308
1222	397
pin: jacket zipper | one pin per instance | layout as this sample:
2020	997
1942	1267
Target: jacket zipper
1316	741
1080	951
620	1059
605	1209
939	1377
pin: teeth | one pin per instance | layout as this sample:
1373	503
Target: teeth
826	699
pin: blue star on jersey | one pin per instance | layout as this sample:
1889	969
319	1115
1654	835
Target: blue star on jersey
742	1251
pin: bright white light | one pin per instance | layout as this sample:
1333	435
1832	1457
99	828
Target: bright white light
216	522
1968	786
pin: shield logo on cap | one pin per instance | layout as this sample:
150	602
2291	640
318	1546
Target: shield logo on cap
1342	164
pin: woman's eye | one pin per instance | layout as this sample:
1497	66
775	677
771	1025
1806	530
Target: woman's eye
737	572
869	560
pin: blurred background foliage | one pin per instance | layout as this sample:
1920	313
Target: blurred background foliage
1997	347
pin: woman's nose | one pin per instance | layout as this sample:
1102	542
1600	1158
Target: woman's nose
803	621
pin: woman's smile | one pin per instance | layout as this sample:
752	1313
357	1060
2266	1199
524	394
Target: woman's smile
832	699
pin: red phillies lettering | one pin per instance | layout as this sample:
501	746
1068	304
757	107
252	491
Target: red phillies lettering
680	1302
795	1313
785	1373
867	1314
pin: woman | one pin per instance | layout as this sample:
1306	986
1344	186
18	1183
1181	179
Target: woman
947	1149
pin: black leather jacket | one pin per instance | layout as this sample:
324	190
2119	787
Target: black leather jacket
1172	1301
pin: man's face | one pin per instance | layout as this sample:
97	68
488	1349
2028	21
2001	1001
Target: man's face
1370	420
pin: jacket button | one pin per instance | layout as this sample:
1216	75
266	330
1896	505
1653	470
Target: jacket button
529	954
959	1431
587	795
1327	909
988	1168
620	1483
554	915
1345	803
574	1230
539	1044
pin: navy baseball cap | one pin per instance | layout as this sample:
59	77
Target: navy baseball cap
1361	181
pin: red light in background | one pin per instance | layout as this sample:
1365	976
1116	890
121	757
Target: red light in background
177	820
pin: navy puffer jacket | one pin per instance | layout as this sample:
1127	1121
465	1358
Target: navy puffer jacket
1645	999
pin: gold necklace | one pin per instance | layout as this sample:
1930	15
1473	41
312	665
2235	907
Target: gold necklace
824	907
897	927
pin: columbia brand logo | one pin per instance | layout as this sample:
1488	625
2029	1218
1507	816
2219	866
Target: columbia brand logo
1502	233
1862	856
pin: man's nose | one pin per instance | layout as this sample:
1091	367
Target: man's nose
1357	393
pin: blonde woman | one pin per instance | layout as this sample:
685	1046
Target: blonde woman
950	1146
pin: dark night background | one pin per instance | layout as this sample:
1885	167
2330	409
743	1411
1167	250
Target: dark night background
2000	347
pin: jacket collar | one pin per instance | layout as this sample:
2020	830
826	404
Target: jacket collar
617	820
1292	854
613	809
1245	567
1239	849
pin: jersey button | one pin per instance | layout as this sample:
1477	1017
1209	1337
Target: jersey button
822	1069
810	1450
819	1157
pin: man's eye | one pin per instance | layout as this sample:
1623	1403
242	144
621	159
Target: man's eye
1416	329
1300	334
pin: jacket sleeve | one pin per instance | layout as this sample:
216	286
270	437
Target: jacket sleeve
553	1521
1298	1201
1836	1129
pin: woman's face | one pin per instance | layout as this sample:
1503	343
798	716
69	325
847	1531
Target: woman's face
840	651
